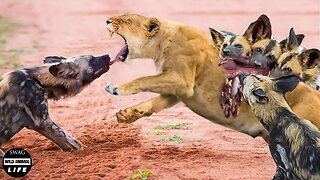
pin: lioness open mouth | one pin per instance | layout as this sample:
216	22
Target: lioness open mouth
231	95
123	53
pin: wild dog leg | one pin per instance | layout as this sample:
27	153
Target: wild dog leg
146	108
53	132
42	123
168	83
280	174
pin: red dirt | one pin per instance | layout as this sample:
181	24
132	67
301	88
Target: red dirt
114	151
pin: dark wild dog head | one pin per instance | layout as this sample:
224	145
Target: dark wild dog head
265	53
294	62
68	76
264	95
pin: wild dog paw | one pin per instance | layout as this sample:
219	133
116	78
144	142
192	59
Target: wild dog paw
129	115
112	89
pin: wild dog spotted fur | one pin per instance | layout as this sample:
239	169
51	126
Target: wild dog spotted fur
238	48
24	94
235	54
300	63
294	142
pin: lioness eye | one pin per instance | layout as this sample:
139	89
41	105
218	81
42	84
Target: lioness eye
225	45
238	45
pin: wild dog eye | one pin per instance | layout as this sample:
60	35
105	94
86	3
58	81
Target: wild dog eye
238	45
271	57
287	70
225	45
259	50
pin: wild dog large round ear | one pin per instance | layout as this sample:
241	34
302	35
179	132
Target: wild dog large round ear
217	37
310	58
63	70
259	29
260	94
286	84
152	26
53	59
293	41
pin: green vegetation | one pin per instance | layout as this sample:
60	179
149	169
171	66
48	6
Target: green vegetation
141	174
182	126
8	57
158	132
174	138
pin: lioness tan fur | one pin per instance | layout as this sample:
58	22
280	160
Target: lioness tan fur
189	72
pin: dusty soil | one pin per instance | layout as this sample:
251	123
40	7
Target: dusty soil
114	151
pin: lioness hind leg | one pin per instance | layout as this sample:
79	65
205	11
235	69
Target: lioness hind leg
147	108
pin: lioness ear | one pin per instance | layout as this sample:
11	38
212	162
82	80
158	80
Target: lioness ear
63	70
217	37
310	58
259	29
286	84
152	26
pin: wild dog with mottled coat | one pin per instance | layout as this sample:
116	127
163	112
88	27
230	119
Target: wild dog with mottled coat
235	54
294	142
302	63
24	94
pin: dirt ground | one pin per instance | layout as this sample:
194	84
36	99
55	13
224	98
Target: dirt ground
115	151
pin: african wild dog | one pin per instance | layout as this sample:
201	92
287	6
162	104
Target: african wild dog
24	94
235	55
300	63
294	142
237	48
266	52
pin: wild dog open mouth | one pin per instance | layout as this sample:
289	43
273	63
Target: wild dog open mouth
103	63
233	67
231	95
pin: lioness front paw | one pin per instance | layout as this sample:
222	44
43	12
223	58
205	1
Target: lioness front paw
129	116
112	89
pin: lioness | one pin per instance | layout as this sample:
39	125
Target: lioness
189	72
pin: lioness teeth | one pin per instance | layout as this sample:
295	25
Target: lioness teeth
110	33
